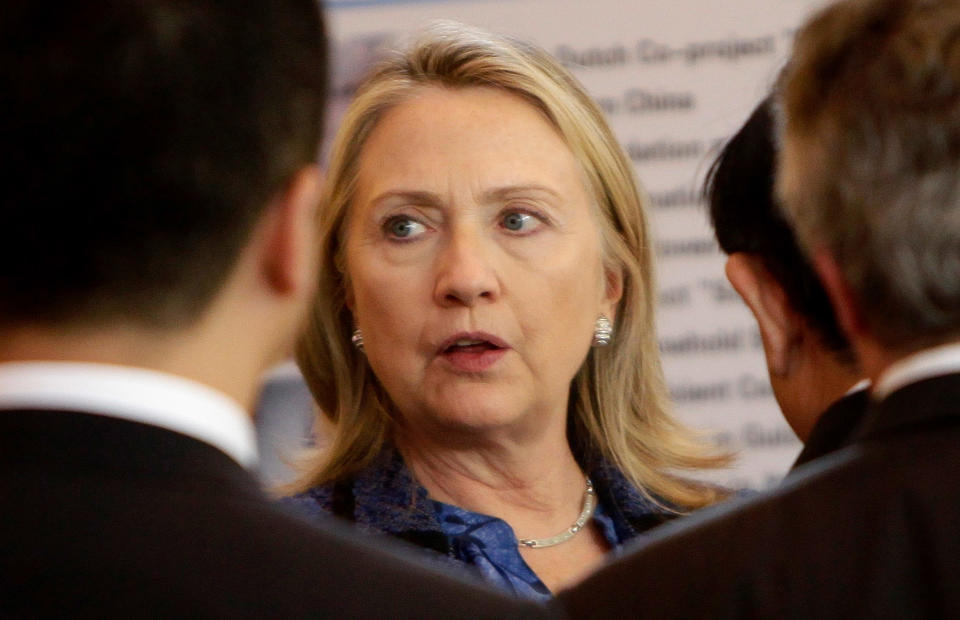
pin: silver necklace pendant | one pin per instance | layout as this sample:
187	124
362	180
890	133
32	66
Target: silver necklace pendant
589	503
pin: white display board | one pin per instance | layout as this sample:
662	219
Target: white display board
676	78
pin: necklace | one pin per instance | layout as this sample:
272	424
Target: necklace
589	503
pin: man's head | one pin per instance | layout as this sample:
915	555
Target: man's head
746	219
871	164
768	270
142	143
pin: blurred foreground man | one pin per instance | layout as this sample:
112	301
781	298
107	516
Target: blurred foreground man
158	253
870	176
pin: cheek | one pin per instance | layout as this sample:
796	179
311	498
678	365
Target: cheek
576	281
561	311
384	301
387	311
390	309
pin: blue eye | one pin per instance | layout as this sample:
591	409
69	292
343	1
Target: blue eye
402	227
522	223
516	221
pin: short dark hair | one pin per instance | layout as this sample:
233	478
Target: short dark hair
746	218
140	143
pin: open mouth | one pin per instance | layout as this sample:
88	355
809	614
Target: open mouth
470	345
473	353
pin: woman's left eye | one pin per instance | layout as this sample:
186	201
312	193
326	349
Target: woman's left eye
403	228
518	221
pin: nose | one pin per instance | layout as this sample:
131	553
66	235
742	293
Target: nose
465	272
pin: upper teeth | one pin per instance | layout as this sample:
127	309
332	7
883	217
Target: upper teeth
466	343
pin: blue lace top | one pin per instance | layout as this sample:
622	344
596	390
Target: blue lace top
384	498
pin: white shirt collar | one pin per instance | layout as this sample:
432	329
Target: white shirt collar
136	394
859	386
935	362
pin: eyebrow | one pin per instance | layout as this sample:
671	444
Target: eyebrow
496	194
508	191
427	199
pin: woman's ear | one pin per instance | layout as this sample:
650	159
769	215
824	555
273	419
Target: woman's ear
780	326
348	297
613	290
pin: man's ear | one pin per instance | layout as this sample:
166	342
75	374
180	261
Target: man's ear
780	326
845	304
290	255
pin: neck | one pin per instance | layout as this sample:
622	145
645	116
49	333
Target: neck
191	353
875	358
878	359
826	380
536	486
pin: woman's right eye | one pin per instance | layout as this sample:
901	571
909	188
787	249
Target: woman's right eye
403	227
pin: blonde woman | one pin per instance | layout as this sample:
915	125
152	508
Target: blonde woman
483	343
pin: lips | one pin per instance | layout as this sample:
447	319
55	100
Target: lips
472	340
471	346
472	352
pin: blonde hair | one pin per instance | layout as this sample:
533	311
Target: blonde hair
619	401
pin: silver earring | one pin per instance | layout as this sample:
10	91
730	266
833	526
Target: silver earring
602	331
357	339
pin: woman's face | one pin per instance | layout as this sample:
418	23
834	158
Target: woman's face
474	262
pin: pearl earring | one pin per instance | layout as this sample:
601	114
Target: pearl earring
602	331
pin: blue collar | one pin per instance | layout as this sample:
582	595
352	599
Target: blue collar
384	497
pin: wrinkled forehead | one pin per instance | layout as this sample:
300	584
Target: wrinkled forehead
483	135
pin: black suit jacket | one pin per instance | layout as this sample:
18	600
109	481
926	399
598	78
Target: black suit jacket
835	428
871	531
101	517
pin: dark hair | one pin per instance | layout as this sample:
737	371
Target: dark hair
140	143
746	218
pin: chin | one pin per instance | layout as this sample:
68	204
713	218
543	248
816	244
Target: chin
475	419
472	409
468	419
